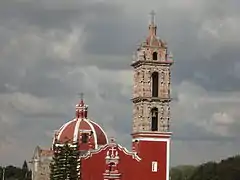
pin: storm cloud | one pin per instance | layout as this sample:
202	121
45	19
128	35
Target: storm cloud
52	50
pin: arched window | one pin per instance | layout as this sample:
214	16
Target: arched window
155	84
155	56
154	119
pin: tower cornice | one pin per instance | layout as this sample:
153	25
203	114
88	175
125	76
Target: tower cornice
146	62
150	99
150	134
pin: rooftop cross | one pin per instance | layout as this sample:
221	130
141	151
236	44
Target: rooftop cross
152	17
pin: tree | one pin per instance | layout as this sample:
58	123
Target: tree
56	164
74	162
65	164
26	174
25	166
182	172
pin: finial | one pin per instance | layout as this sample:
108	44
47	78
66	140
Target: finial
81	95
152	17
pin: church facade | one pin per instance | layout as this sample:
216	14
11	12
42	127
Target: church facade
41	163
149	158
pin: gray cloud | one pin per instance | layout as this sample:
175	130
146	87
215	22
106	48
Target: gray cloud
51	50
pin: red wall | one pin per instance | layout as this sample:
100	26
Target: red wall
151	151
94	167
129	167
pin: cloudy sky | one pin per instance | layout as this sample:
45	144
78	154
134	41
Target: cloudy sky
50	50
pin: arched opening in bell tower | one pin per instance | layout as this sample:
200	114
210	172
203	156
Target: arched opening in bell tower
155	56
154	125
155	84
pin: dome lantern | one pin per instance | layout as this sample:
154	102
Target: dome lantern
81	109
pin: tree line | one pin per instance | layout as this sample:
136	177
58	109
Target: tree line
16	173
227	169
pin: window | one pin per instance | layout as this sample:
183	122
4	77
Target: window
84	138
155	84
154	119
155	56
154	166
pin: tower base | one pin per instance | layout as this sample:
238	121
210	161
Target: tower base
154	149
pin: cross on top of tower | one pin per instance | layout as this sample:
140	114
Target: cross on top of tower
152	14
152	26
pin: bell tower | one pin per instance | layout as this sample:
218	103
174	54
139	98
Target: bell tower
151	91
151	103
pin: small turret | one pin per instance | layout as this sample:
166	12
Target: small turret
81	109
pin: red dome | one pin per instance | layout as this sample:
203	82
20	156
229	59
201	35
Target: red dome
87	133
75	130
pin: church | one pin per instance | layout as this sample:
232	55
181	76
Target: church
103	158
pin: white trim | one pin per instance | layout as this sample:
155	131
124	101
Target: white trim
61	145
151	139
100	129
94	133
104	147
76	130
168	160
63	127
94	151
127	152
150	133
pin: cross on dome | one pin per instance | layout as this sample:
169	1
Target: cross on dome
81	97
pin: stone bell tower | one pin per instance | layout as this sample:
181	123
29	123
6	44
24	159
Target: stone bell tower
151	104
151	91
